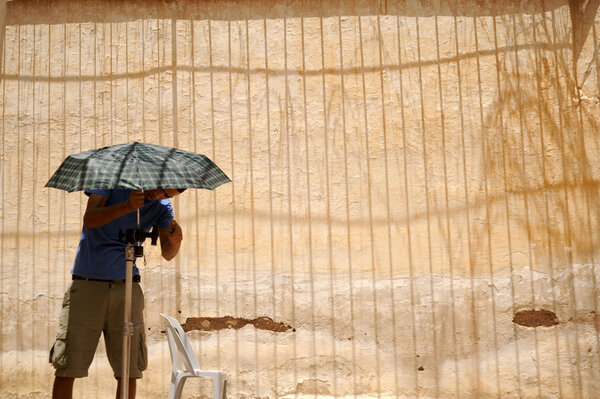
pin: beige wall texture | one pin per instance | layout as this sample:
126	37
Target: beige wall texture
415	191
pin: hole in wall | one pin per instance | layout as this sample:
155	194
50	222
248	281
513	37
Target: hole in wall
535	318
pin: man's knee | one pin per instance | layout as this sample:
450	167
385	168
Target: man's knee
64	380
131	388
63	387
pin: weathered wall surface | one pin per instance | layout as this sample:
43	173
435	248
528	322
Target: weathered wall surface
406	179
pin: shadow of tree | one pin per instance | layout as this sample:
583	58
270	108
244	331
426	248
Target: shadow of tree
546	164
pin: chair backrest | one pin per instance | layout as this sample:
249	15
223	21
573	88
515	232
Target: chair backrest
179	344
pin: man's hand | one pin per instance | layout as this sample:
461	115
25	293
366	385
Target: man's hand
170	240
175	233
136	200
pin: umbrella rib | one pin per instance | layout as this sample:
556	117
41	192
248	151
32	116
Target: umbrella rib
137	170
163	168
124	162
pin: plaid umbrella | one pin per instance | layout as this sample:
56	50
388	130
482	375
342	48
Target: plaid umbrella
136	166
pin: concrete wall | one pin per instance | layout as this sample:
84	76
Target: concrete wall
415	190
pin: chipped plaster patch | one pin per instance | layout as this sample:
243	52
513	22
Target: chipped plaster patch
227	322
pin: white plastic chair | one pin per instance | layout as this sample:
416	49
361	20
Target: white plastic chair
179	344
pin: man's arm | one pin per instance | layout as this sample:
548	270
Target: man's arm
97	215
170	240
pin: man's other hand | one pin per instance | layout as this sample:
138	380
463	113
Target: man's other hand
170	240
175	232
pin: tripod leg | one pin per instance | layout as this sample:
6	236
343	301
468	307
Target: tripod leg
127	325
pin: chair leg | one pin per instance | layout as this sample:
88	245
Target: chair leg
172	387
218	387
176	387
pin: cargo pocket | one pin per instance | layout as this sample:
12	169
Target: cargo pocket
142	351
58	353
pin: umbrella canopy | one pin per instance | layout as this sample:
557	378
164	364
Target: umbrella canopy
137	166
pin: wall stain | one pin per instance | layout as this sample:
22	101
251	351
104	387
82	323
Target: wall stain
228	322
535	318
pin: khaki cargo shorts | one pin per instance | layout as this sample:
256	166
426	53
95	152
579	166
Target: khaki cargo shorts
91	308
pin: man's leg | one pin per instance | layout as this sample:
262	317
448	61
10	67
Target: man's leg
81	320
63	388
131	388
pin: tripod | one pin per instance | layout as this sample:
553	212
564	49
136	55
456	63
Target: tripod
133	249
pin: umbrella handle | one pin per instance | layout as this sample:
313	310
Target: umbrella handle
138	215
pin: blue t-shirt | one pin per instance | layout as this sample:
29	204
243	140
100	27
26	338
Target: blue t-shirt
101	254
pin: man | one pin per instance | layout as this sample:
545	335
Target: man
94	301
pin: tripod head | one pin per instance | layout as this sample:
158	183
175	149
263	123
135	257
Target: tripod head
134	236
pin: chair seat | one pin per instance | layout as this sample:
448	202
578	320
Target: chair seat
208	372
